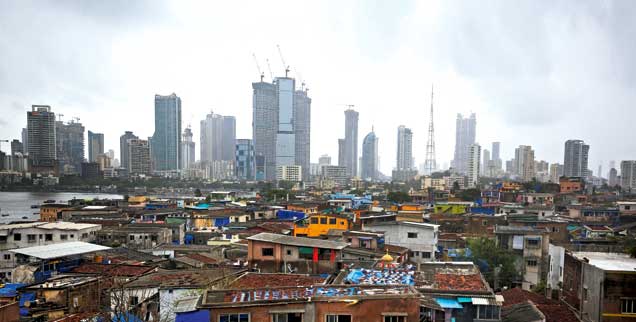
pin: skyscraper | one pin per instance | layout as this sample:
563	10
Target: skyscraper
575	158
244	159
218	138
166	140
351	142
123	148
95	145
16	147
69	142
524	163
404	149
341	152
628	175
613	177
556	171
41	137
497	163
369	164
324	160
138	157
472	169
302	129
464	137
187	149
281	126
25	140
485	166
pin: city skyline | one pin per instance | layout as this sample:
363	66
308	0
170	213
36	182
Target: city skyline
511	111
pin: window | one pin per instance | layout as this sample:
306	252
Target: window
289	252
3	239
555	229
585	294
84	235
72	236
313	220
132	237
628	306
63	237
17	237
31	238
337	318
332	221
426	254
287	317
153	238
487	312
234	317
395	318
48	237
411	235
133	300
532	243
323	220
267	251
40	236
532	262
484	222
7	257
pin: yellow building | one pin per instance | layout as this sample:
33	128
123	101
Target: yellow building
308	209
319	224
453	209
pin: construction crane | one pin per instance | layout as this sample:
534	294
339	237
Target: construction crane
258	67
271	75
283	60
76	119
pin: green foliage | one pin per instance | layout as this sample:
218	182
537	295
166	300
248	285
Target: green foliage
197	192
357	192
469	194
486	249
540	288
398	196
285	185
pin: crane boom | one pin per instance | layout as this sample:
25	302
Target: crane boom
280	52
271	75
258	67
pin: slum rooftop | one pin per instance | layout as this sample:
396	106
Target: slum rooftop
183	278
270	280
608	261
297	241
59	250
62	282
518	230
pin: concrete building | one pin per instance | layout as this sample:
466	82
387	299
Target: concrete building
264	127
41	138
285	130
531	246
465	129
524	163
324	160
613	178
337	174
90	170
485	165
25	140
575	158
556	171
245	159
496	156
369	164
138	156
628	174
123	148
542	171
291	173
404	149
302	129
166	140
341	152
420	238
95	145
472	171
16	147
350	143
187	149
69	146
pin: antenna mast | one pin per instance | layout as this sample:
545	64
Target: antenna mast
430	163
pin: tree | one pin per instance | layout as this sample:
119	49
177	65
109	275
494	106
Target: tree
197	192
398	196
469	194
486	249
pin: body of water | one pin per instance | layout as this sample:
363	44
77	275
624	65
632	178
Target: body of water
18	204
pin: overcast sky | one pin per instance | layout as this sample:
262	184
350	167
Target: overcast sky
535	72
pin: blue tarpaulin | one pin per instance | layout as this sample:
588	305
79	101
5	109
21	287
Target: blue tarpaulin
195	316
448	303
126	317
9	290
465	299
221	222
289	215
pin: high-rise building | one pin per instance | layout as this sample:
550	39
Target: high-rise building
613	177
244	159
556	171
495	151
628	175
465	129
351	142
25	140
404	149
95	145
302	129
542	170
485	166
524	163
218	138
41	138
166	140
187	149
69	143
281	125
575	158
138	157
341	152
472	171
324	160
124	149
369	164
16	147
290	173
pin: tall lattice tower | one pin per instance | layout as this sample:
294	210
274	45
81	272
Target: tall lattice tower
430	164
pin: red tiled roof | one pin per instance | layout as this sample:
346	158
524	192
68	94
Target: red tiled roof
202	258
457	282
553	310
253	281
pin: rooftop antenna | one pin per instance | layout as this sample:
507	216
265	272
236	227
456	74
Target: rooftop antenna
283	60
271	75
258	67
60	117
430	163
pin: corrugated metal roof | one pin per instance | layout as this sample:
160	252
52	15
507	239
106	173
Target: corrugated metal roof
448	303
480	301
67	226
186	304
59	250
297	241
